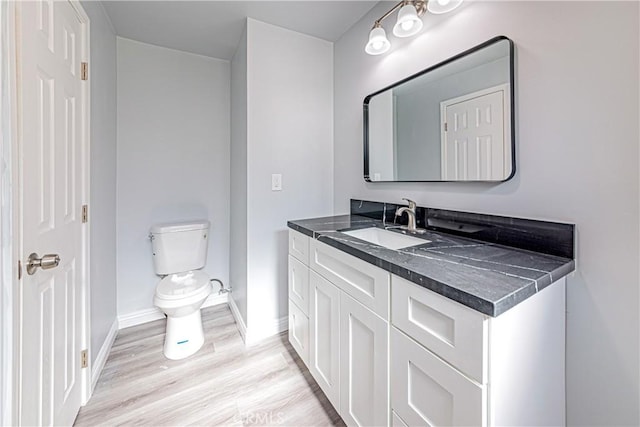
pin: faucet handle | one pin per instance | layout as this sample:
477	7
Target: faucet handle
412	204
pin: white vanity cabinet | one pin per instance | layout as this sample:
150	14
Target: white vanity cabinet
348	331
387	351
439	374
298	283
451	365
363	333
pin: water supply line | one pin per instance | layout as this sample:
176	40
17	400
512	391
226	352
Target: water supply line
222	290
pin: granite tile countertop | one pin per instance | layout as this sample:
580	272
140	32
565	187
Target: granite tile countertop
486	277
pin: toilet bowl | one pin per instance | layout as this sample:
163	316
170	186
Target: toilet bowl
179	252
180	297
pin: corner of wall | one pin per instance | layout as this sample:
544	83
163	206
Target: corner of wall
107	17
103	354
237	316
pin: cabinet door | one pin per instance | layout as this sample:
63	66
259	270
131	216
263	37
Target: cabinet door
299	284
299	332
364	396
324	342
425	390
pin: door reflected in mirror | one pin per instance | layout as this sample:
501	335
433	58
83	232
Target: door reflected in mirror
451	122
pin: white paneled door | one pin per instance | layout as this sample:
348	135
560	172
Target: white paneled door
53	121
474	135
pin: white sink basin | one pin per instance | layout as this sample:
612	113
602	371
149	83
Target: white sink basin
388	239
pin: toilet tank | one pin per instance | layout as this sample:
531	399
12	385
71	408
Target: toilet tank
179	246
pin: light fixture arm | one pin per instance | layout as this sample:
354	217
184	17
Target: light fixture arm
420	5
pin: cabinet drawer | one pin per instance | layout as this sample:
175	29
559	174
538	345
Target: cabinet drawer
456	333
427	391
299	284
299	332
366	283
299	246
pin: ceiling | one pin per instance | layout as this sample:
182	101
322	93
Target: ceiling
213	28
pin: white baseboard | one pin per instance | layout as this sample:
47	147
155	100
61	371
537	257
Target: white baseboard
266	329
215	299
253	335
242	327
151	314
139	317
103	354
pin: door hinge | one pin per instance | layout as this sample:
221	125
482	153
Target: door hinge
19	269
84	71
446	127
84	359
85	213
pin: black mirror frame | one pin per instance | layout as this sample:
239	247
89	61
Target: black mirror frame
445	62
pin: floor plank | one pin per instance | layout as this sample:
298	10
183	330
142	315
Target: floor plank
224	383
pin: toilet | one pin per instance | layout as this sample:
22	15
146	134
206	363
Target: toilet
179	252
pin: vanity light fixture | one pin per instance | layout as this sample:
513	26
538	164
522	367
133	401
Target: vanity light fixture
442	6
378	42
409	21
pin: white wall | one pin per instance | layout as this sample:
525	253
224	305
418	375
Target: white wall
577	161
102	204
290	132
173	159
238	205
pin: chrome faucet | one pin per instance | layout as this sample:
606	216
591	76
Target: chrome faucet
411	215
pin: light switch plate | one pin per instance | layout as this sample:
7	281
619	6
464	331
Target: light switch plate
276	182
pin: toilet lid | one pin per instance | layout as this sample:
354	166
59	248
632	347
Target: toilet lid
181	285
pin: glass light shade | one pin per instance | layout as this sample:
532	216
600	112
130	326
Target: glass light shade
378	42
442	6
409	23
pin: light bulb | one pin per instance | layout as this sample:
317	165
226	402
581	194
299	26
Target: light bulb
378	42
442	6
408	22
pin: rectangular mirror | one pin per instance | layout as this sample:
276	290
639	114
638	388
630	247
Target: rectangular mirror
451	122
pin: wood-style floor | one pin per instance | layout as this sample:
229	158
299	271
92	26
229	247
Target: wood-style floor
225	383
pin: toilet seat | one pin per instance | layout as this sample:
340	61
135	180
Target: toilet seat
180	286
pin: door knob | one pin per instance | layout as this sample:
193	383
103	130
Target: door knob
46	262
